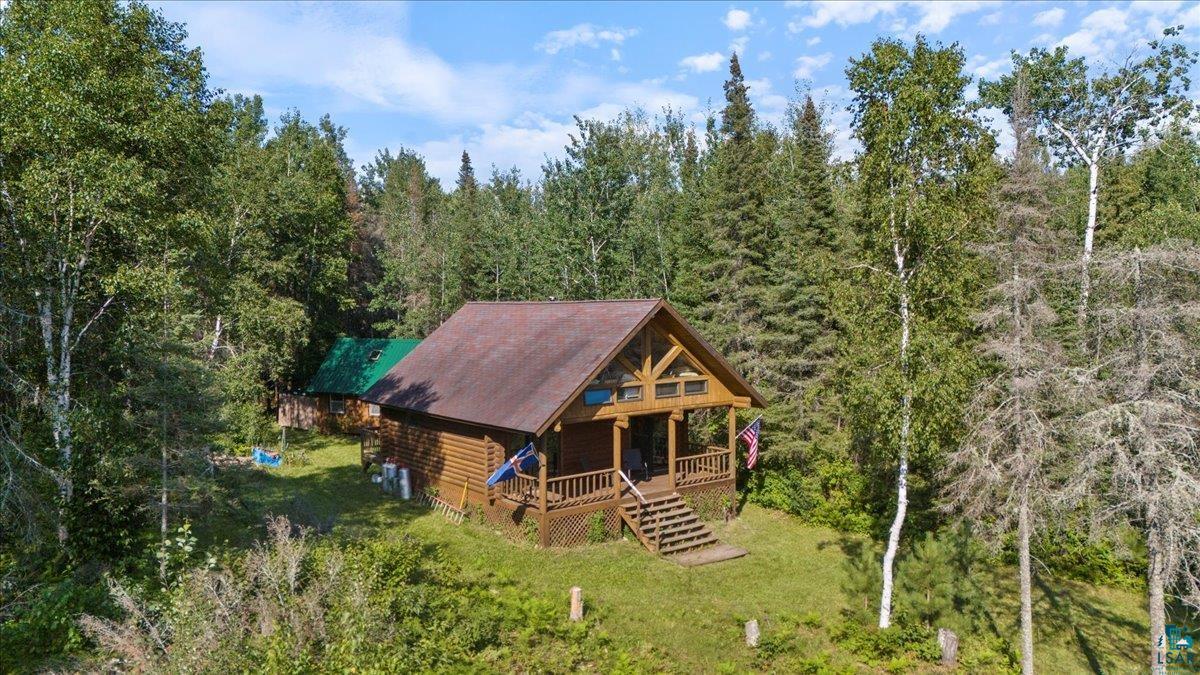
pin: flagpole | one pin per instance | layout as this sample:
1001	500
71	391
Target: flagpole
739	435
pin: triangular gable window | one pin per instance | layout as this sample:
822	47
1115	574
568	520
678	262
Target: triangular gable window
614	373
682	366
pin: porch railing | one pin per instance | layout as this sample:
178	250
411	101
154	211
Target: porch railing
703	467
523	488
580	488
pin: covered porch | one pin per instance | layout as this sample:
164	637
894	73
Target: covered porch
603	463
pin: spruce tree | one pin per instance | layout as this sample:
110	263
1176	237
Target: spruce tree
734	267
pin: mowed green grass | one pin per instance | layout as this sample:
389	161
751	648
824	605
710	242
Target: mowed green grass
691	617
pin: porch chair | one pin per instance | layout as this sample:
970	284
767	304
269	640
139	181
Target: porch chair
631	460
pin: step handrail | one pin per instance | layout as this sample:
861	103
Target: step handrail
628	482
641	510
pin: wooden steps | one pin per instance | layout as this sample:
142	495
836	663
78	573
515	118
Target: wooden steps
668	526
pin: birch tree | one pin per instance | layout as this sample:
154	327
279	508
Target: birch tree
1004	476
1140	437
924	170
107	147
1091	118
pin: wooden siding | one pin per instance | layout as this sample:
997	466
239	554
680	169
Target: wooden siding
440	453
356	417
588	446
297	412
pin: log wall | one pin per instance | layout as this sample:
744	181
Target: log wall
440	453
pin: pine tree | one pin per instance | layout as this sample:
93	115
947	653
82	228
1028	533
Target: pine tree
733	261
465	208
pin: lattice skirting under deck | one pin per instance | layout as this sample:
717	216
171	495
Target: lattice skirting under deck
590	527
711	502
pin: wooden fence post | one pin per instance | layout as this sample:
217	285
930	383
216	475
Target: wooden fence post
752	633
576	603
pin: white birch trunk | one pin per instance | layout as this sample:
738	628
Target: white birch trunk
58	399
1089	236
889	556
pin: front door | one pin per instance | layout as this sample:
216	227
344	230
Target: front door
648	433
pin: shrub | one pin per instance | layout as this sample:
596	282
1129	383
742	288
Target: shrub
597	530
46	622
298	602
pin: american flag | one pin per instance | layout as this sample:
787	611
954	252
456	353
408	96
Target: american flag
750	434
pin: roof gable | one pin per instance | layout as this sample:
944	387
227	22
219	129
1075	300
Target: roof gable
518	365
352	365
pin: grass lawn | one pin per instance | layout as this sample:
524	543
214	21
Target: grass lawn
692	617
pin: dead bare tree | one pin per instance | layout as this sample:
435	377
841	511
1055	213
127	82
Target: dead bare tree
1003	476
1140	450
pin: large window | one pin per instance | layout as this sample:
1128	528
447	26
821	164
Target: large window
695	387
597	396
337	405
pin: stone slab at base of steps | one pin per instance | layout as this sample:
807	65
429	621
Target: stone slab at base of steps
707	555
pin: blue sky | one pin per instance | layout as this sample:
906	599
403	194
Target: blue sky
504	80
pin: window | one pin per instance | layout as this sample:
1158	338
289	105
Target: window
630	393
614	373
373	409
597	396
337	405
666	389
694	387
374	355
658	347
682	366
633	351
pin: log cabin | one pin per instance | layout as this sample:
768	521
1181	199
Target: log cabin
604	389
332	402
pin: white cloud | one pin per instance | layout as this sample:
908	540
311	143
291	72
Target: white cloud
807	65
615	54
991	19
1050	17
1156	6
982	68
844	14
739	45
703	63
932	16
936	15
813	41
737	19
582	35
765	56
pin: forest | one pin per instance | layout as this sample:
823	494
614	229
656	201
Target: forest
982	325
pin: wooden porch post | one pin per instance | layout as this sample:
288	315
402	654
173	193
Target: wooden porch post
672	439
732	442
544	524
619	423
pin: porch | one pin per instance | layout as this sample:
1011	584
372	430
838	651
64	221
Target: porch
644	457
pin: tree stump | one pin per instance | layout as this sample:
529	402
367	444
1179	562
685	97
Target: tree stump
948	641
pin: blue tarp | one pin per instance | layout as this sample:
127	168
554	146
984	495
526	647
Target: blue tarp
265	457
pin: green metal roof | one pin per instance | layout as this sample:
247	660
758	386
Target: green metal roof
348	368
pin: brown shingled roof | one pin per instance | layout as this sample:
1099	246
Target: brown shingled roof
514	365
